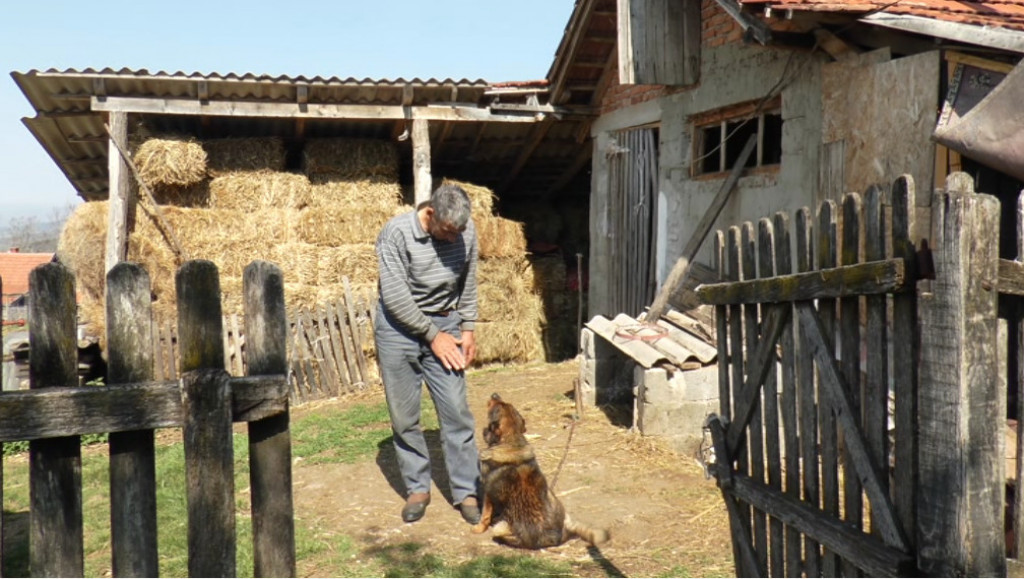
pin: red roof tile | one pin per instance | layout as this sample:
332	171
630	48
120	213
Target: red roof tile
1007	14
14	270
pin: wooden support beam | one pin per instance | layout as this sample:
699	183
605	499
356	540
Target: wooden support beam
871	278
422	180
121	200
177	106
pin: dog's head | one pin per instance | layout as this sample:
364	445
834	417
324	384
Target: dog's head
504	423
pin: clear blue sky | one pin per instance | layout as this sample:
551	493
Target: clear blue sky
381	39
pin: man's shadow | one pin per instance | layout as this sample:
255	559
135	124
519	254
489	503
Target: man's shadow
387	461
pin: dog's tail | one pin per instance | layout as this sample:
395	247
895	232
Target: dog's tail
590	535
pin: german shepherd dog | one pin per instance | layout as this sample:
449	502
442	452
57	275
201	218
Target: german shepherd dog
516	497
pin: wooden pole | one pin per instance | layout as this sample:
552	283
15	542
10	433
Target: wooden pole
121	203
962	407
422	181
677	277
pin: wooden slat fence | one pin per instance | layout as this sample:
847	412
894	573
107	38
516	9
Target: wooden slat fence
327	347
204	403
861	423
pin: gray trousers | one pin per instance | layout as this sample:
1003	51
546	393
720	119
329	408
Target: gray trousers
405	363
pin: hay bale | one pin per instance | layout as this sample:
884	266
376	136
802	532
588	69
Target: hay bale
508	342
171	161
481	198
351	158
357	261
258	190
244	154
505	291
334	226
499	237
80	247
298	262
197	195
367	192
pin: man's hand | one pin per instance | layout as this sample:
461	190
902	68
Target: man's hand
446	347
468	346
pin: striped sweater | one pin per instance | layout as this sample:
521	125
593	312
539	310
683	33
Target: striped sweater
420	275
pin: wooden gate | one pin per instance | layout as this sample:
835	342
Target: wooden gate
52	416
858	430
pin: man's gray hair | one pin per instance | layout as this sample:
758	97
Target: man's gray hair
451	205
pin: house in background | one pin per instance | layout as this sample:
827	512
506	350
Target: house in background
15	268
837	95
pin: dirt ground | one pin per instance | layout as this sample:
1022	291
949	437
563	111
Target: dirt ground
665	517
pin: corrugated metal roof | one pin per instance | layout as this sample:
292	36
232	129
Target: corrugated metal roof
1008	14
486	152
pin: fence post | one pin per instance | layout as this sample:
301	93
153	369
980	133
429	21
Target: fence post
206	396
132	456
270	457
961	405
55	465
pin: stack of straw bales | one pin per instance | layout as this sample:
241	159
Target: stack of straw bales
318	226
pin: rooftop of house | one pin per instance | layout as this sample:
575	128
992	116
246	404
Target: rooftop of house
15	268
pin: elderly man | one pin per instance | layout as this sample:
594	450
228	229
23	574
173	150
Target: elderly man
424	332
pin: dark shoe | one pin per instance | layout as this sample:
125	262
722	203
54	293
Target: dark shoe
415	507
470	510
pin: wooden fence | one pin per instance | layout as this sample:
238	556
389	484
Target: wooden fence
53	415
861	422
326	346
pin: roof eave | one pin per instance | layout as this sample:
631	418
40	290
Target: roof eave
1001	38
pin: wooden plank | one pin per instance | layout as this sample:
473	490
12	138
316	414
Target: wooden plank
121	202
132	454
1011	277
807	399
677	276
422	183
722	328
357	333
789	397
270	455
905	347
961	402
875	559
348	342
838	394
827	249
159	372
55	465
1015	353
324	359
737	365
766	268
200	325
872	278
230	108
758	366
313	388
72	411
747	564
850	252
876	365
209	464
330	321
990	37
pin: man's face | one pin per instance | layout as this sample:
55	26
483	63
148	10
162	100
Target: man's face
444	231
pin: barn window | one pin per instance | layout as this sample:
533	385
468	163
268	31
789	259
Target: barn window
719	137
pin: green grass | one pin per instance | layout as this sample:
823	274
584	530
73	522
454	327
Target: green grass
326	436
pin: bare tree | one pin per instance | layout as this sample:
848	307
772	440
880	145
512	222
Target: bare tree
33	234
